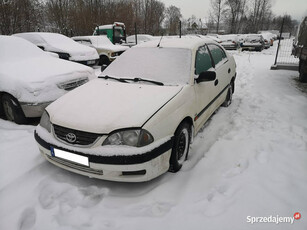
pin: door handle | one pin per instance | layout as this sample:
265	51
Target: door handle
229	70
216	82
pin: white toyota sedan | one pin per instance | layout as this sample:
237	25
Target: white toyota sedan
136	121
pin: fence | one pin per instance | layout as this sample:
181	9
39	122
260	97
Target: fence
284	58
284	52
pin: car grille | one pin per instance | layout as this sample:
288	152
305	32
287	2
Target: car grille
70	85
82	138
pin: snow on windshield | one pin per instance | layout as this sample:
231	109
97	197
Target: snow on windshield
167	65
100	41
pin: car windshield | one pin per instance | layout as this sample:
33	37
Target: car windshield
171	66
100	41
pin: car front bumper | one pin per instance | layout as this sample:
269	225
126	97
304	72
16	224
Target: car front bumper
88	62
125	168
33	110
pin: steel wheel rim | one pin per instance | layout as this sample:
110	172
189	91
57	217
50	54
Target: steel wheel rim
182	146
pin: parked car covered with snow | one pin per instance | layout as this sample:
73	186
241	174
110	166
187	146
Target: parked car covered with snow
268	40
30	79
64	46
230	41
140	39
253	42
134	124
107	51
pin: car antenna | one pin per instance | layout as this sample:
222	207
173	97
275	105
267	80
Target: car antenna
160	41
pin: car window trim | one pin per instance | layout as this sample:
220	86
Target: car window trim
212	56
212	62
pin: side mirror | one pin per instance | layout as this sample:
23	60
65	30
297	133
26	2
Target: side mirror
206	76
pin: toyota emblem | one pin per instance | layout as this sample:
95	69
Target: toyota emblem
71	138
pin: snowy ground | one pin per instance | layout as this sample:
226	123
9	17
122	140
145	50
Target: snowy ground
249	160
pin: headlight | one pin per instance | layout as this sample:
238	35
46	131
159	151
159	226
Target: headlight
131	137
64	56
114	54
45	121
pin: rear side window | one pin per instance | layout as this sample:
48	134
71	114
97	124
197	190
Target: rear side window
203	60
217	53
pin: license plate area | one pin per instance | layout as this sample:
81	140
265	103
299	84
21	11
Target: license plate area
72	157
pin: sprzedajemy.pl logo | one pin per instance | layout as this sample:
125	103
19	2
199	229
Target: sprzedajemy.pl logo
273	219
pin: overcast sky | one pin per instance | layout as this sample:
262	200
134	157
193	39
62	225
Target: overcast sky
296	8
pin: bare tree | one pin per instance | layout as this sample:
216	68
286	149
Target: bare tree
173	16
236	9
19	16
216	12
260	11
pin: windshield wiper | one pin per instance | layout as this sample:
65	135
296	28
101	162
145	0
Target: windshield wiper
113	78
137	79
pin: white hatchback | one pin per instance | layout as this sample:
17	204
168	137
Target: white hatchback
30	79
136	121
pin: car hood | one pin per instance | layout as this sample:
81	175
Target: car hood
102	106
76	51
113	48
42	69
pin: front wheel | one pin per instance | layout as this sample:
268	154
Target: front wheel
12	110
181	147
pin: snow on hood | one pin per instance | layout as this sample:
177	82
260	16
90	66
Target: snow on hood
102	106
59	43
33	70
102	42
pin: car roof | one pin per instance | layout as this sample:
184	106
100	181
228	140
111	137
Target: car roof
186	42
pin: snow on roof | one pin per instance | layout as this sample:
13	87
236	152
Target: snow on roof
186	42
55	42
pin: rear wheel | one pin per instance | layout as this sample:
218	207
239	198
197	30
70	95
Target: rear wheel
12	110
228	99
181	147
104	60
303	71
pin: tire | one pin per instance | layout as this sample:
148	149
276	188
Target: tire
181	147
228	99
12	110
302	75
104	60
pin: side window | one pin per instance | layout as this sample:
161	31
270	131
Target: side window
203	60
217	53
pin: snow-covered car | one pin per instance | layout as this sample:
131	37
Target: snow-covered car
64	46
253	42
140	39
268	40
30	79
133	124
107	51
230	41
